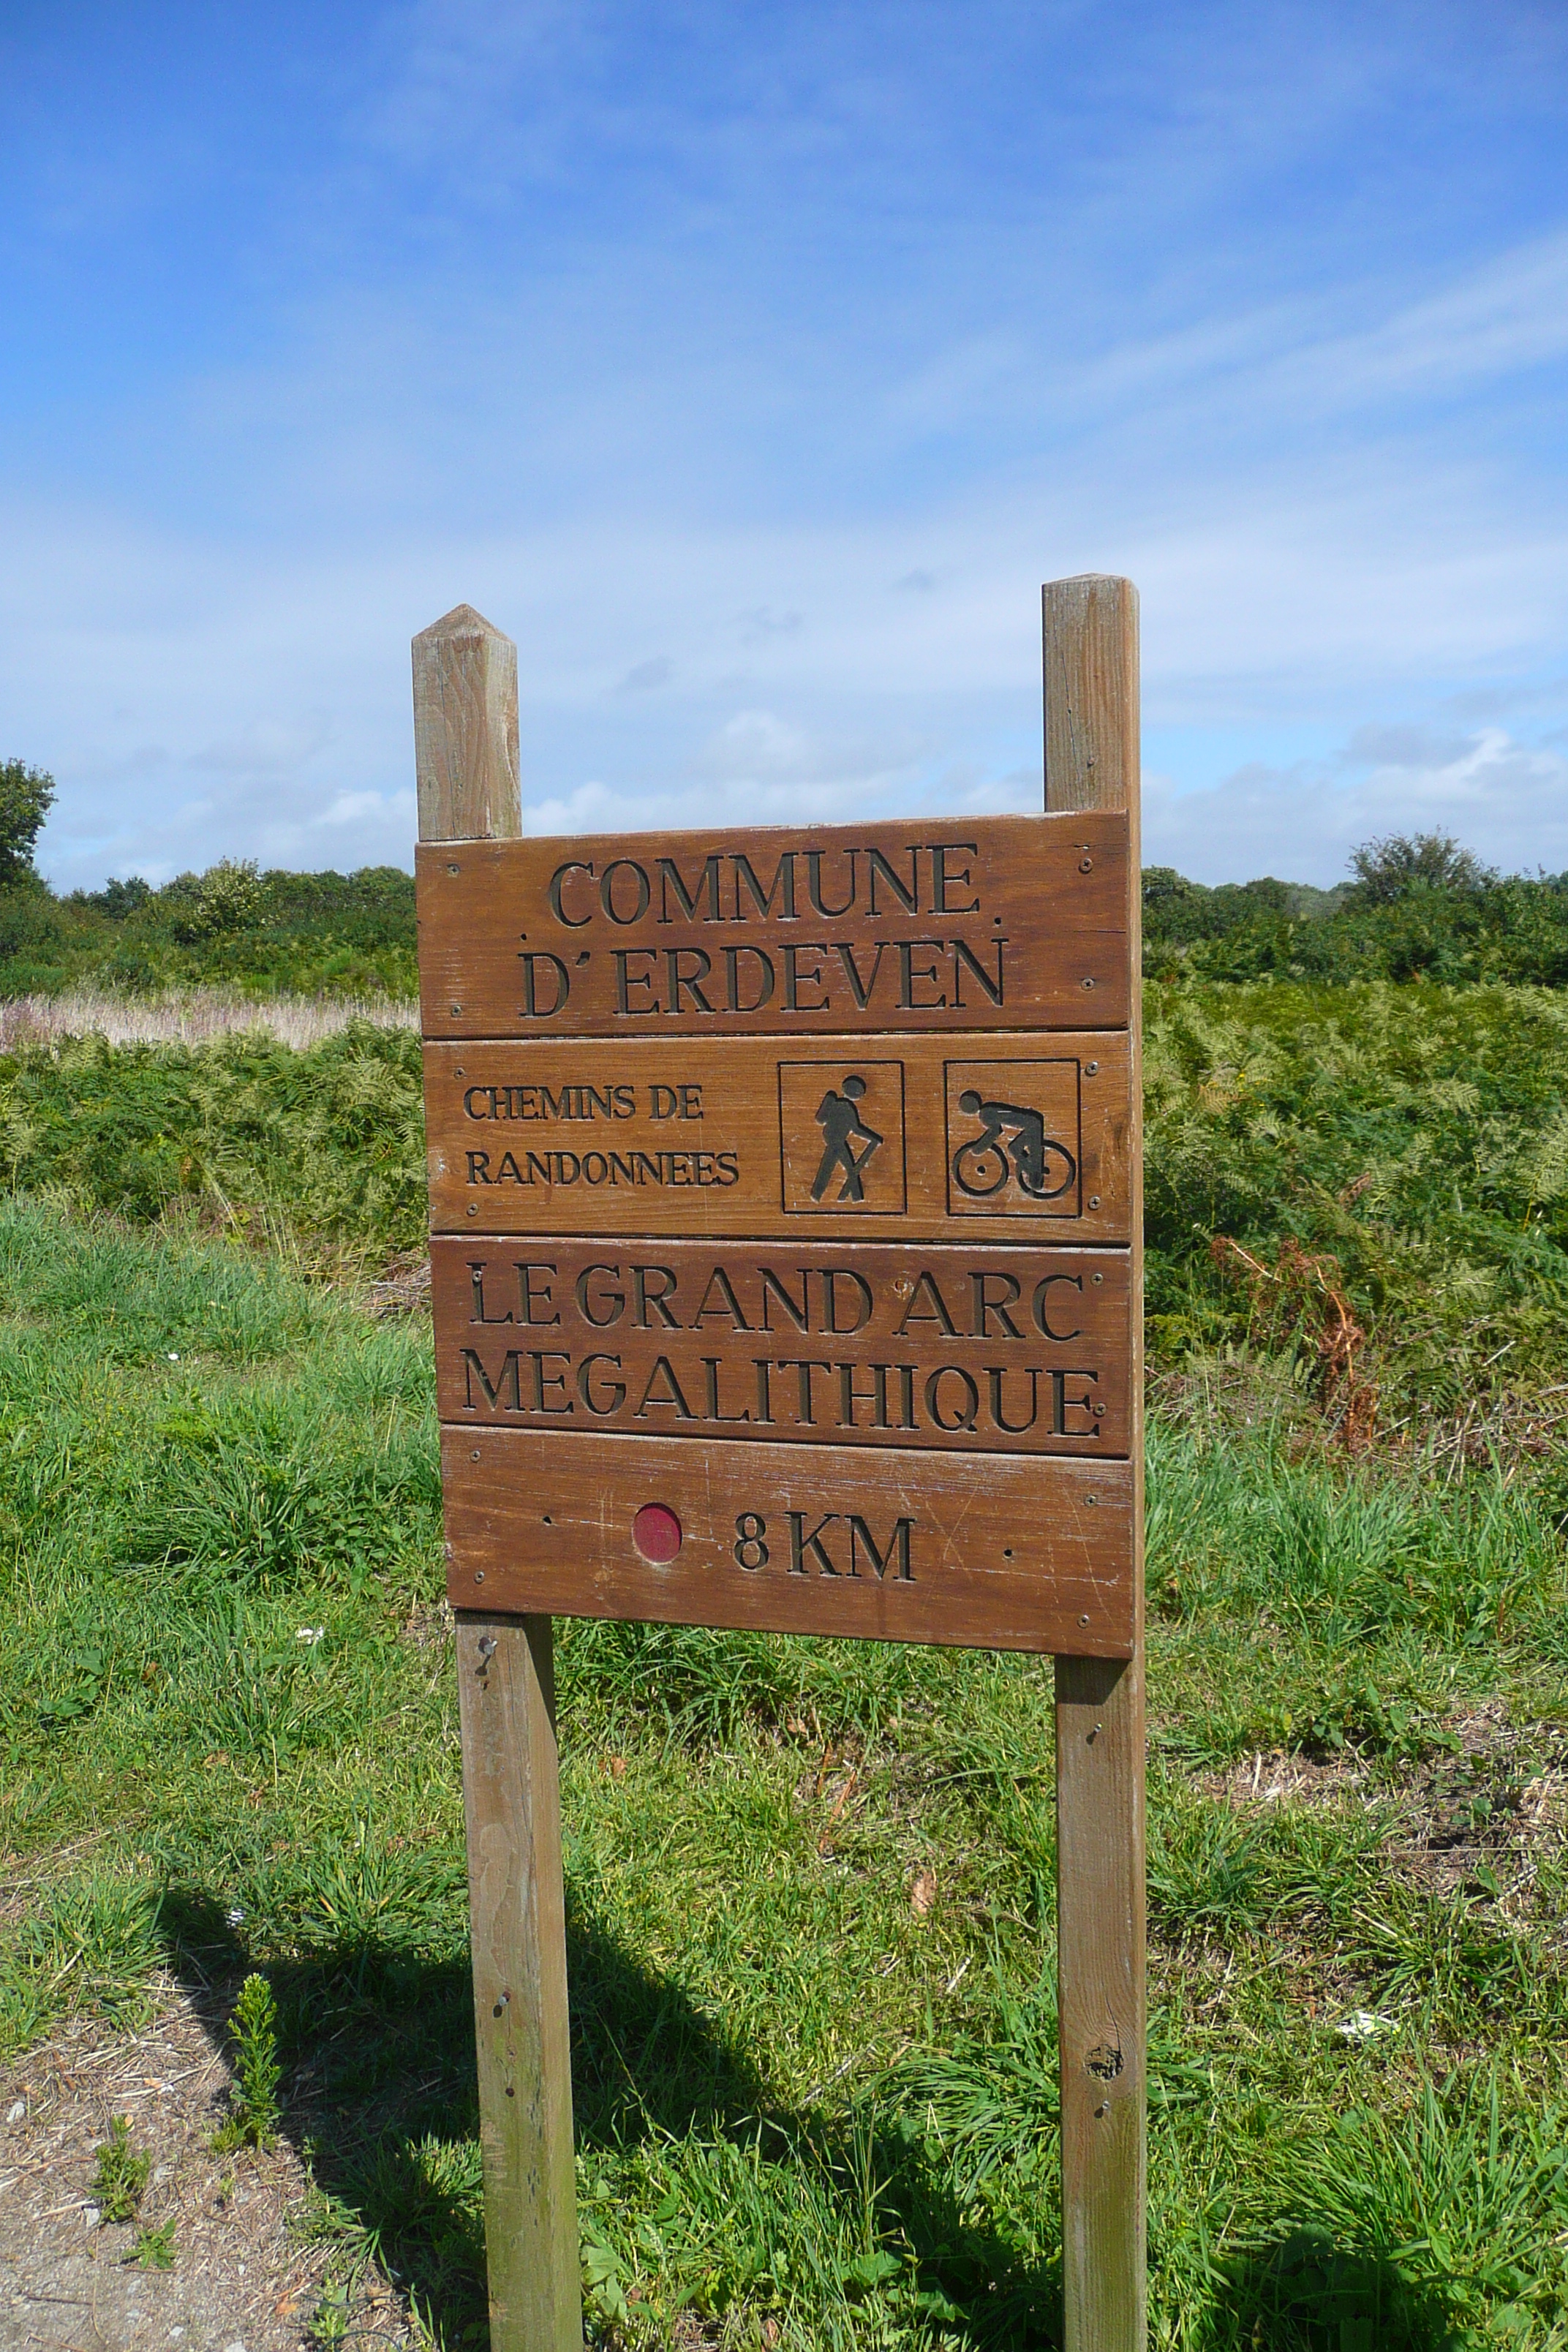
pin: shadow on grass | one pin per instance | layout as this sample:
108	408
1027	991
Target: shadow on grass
1309	2295
379	2095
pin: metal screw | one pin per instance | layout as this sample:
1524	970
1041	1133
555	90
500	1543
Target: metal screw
1090	1070
475	1455
457	1008
1091	1500
451	869
487	1647
479	1576
1088	983
1099	1277
1084	865
1093	1202
1083	1620
1100	1407
473	1208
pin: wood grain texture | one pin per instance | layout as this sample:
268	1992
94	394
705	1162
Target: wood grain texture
1091	640
465	730
982	1351
465	737
1092	763
512	1806
699	1137
999	922
1101	1942
1000	1550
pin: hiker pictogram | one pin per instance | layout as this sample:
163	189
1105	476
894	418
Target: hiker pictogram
838	1115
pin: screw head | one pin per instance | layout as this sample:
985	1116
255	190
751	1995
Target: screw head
1084	865
1090	1070
1088	983
1093	1201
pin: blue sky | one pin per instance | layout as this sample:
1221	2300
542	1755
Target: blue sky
751	368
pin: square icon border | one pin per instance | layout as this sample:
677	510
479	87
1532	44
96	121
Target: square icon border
838	1208
1043	1215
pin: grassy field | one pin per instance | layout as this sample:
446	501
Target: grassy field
811	1885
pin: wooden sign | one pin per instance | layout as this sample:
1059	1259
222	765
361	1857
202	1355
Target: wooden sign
776	1239
967	1351
785	1208
981	1134
995	923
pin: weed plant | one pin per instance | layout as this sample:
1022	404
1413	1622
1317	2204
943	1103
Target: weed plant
810	1885
253	2110
120	2173
153	2247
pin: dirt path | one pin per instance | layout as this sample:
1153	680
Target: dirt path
243	2277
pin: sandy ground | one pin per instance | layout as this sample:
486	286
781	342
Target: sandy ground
244	2278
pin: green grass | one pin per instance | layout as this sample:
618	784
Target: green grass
807	2112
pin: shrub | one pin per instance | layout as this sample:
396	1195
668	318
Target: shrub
25	796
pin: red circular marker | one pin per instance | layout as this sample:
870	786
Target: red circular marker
657	1533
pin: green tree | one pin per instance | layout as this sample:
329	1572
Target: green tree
1395	864
25	795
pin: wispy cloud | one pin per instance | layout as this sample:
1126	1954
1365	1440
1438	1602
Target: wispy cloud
754	372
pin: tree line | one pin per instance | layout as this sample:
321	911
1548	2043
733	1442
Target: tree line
1413	907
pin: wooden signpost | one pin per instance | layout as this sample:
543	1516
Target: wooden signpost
785	1209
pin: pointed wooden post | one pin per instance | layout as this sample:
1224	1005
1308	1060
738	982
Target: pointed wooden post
465	728
1092	763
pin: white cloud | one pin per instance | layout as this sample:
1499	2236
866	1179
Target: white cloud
1506	801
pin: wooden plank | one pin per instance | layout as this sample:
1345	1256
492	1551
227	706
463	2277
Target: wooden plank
465	730
464	724
732	1138
1011	1352
1100	1997
1090	628
512	1804
990	922
1004	1550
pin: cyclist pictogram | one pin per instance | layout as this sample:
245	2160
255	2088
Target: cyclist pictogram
1011	1140
1014	1141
